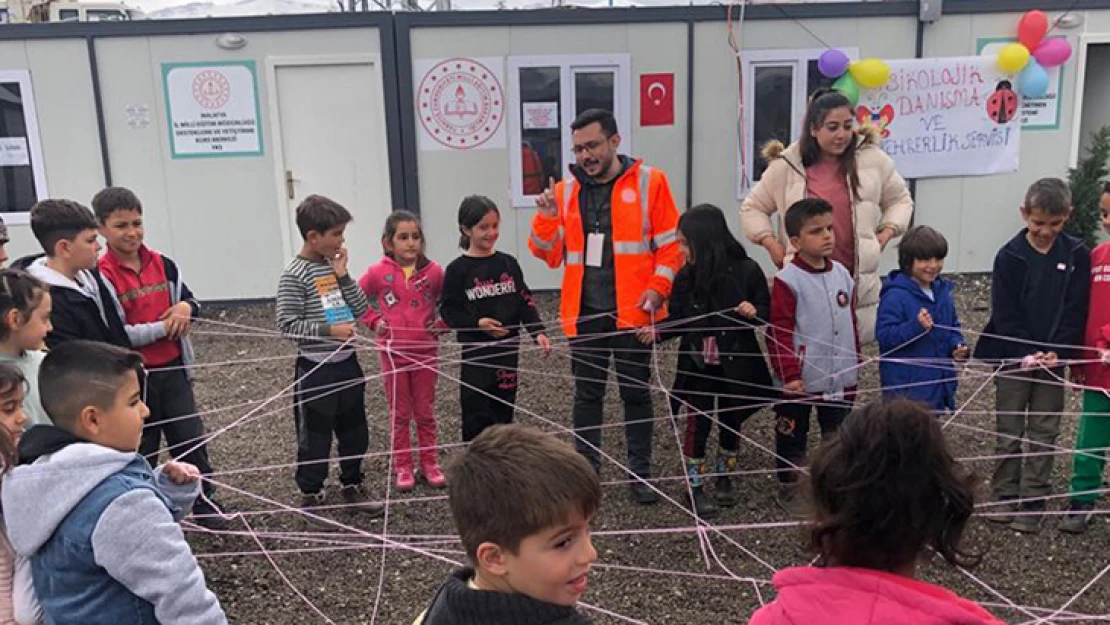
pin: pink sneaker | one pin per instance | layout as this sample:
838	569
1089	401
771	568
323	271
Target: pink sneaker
406	481
433	476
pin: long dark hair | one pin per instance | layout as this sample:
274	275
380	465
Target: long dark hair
711	243
885	487
473	209
20	291
10	379
395	219
820	104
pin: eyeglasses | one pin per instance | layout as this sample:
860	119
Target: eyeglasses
590	148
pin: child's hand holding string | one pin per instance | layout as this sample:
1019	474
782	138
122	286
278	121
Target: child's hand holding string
181	472
544	343
925	320
492	327
797	387
746	310
961	353
177	319
1104	356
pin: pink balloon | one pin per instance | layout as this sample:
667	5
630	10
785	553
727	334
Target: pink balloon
1053	52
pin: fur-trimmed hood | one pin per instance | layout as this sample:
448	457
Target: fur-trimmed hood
868	137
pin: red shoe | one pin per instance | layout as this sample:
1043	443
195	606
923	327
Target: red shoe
406	481
433	476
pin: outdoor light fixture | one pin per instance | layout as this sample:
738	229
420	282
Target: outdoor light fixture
231	41
1069	20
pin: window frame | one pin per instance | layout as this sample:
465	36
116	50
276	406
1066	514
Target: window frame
34	142
569	65
798	61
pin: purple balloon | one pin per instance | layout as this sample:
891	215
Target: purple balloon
1053	52
833	63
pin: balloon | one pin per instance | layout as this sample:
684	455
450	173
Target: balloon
1032	28
847	86
1053	52
870	73
1033	81
833	63
1013	58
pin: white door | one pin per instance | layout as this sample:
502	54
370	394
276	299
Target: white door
330	122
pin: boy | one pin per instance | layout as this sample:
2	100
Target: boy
98	525
915	300
4	240
157	308
522	502
813	344
82	307
1039	292
317	300
1094	425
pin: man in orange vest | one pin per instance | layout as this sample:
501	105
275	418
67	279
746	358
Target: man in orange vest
612	226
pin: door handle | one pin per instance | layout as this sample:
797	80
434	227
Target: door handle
290	190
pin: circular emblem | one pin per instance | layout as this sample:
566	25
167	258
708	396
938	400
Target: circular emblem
628	196
211	89
842	299
460	103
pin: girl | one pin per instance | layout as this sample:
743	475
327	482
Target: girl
404	289
883	490
871	204
17	598
719	356
486	301
24	324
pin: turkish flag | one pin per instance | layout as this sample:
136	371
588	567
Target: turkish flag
656	99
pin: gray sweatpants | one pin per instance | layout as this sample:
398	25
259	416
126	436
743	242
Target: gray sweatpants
1028	408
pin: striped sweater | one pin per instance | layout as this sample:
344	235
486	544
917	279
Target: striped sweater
311	299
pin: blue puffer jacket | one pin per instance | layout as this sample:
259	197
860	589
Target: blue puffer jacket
933	379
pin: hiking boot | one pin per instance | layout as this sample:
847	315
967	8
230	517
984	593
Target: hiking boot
643	494
311	503
406	481
724	493
357	501
1028	518
701	504
1002	512
790	500
433	476
207	516
1079	517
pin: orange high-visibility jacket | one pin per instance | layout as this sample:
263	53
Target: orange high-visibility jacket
645	245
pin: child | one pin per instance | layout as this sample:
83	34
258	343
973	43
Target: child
1094	425
157	308
404	289
812	340
317	300
81	302
1039	294
17	595
24	324
522	502
884	491
719	355
486	300
914	301
103	542
4	240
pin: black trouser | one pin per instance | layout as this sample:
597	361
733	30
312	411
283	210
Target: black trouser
487	393
590	366
712	398
792	431
330	399
173	412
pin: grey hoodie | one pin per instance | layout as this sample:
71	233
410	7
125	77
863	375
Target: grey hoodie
136	540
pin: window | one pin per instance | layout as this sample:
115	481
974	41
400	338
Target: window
777	84
545	95
105	15
3	16
22	177
68	15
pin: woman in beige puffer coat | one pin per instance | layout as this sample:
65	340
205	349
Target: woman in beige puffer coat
879	202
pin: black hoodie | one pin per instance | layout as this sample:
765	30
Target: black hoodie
457	604
78	314
1041	314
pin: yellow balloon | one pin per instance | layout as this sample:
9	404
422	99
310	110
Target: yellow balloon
870	73
1013	58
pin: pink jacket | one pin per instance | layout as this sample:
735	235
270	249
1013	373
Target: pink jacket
849	596
407	306
1098	317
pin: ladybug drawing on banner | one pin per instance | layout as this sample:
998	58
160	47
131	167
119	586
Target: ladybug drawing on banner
1003	103
879	120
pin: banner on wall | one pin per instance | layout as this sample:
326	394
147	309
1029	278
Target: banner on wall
460	103
946	117
212	109
657	99
1041	113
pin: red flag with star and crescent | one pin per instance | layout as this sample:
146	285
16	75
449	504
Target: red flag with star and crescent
657	99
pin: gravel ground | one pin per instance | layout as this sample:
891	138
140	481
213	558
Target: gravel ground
659	577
